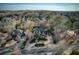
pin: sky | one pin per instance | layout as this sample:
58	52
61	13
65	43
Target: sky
40	6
